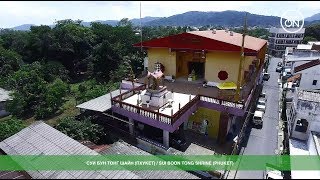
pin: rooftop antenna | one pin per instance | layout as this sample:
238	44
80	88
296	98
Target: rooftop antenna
237	96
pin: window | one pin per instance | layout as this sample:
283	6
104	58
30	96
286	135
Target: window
302	125
314	82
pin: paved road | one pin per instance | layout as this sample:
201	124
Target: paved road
264	141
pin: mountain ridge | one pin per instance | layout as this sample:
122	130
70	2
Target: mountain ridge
228	18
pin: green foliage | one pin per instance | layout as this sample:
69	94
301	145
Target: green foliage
81	130
257	32
313	31
53	99
10	127
28	88
53	70
91	89
10	62
306	39
33	94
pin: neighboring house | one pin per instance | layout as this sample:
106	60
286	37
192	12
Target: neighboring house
4	97
303	61
279	39
204	65
303	116
42	139
310	74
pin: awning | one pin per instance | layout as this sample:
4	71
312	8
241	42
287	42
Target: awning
227	85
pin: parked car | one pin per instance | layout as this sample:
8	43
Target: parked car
266	76
262	95
279	69
262	101
279	64
261	107
258	117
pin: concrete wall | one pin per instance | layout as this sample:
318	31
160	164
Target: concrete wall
225	61
211	116
308	75
215	61
162	55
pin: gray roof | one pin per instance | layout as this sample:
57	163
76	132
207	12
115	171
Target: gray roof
100	104
4	95
127	149
40	138
308	96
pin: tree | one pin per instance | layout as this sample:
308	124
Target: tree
10	62
306	39
53	70
91	89
313	31
33	94
81	130
53	98
10	127
28	88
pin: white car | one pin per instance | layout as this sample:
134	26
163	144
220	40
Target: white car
258	117
261	107
262	101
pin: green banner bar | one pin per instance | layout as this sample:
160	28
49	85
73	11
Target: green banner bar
159	162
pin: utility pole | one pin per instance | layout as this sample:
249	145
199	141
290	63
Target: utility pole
237	96
140	30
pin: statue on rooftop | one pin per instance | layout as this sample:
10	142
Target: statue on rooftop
153	79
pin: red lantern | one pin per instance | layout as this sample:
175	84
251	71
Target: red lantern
223	75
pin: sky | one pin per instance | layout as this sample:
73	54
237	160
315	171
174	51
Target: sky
15	13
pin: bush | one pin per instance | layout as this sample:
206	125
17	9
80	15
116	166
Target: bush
10	127
81	130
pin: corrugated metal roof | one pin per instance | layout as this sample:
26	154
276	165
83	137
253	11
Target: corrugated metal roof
4	95
127	149
40	138
102	103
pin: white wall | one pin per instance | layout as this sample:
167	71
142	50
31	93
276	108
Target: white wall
311	145
308	75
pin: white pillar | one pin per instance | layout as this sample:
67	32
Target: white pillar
131	126
166	138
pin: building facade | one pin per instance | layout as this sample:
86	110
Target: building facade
304	114
304	61
303	117
204	65
279	39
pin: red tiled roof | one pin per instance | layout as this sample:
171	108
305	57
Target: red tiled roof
307	65
207	40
